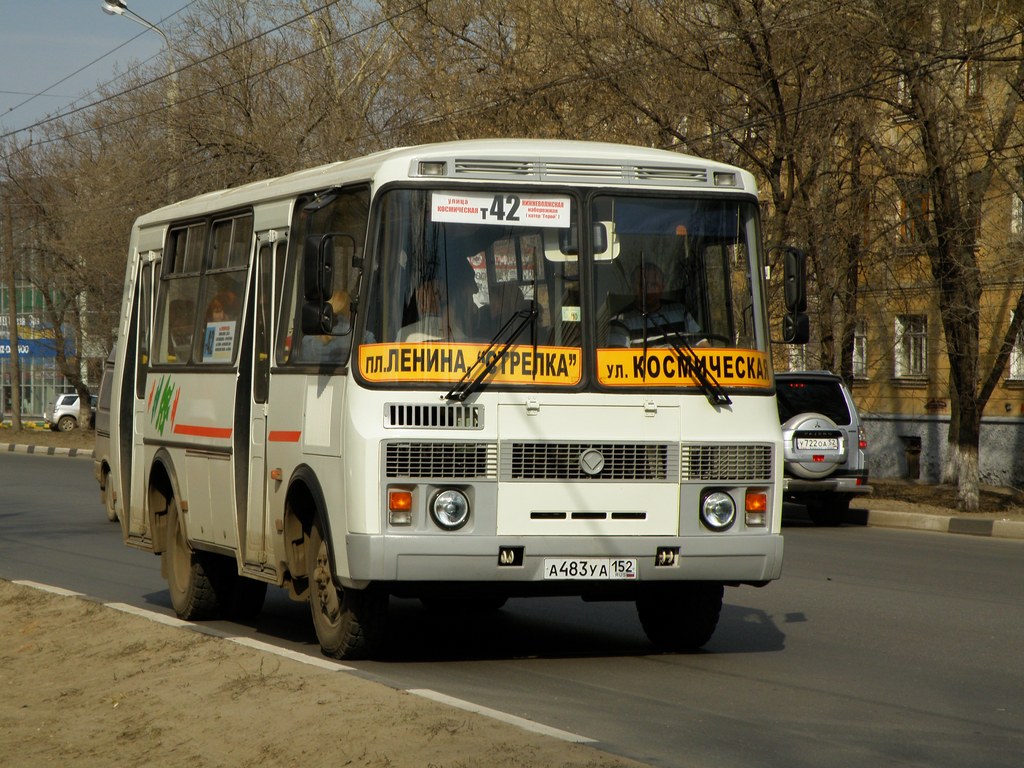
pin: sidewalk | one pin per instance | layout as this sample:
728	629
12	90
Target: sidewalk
882	513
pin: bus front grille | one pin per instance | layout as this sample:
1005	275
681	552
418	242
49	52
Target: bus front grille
740	463
443	460
628	462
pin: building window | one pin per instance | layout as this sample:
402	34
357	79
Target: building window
1017	357
913	218
911	346
860	350
1017	207
974	80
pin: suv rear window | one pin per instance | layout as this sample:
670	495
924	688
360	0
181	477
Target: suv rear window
824	397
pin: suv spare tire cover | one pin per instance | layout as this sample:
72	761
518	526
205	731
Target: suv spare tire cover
812	470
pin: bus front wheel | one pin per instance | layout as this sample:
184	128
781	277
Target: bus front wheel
349	623
680	616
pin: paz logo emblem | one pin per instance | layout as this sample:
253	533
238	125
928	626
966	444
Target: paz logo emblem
592	461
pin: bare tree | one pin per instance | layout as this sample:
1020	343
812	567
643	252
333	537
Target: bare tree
948	148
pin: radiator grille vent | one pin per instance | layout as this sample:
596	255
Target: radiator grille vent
562	461
741	463
446	460
433	416
495	168
540	170
669	174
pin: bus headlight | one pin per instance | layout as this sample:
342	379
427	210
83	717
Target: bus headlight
717	511
450	509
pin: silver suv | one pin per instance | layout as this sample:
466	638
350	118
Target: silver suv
823	444
62	413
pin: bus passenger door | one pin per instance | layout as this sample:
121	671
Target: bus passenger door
256	552
134	517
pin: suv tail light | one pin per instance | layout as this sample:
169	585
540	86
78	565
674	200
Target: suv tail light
862	439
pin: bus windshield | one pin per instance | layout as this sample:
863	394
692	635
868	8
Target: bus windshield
452	269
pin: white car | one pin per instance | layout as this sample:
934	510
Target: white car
62	413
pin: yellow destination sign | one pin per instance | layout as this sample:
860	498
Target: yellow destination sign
432	362
664	368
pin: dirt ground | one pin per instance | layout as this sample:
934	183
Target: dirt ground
88	686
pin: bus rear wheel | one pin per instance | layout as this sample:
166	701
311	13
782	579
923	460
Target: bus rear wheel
681	616
349	623
108	497
188	573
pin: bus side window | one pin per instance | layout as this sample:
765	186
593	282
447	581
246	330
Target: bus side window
175	321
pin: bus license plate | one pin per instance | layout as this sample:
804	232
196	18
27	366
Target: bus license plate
590	568
817	443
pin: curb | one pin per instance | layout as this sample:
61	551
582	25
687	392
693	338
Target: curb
969	526
48	450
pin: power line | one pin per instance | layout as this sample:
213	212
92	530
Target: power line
160	78
45	91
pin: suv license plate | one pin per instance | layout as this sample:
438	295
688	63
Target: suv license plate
590	568
817	444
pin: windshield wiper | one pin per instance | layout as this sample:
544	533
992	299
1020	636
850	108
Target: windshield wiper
713	391
470	383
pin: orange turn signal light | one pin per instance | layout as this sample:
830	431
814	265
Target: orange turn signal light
399	501
756	501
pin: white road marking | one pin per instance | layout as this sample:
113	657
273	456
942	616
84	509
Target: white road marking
526	725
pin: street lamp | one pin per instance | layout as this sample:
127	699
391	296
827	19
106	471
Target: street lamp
120	8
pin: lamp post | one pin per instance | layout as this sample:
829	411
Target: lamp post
120	8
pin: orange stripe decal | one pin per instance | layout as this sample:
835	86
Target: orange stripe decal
196	431
283	436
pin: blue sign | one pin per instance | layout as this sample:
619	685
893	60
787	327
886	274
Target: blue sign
32	348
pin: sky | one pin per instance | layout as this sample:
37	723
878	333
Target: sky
42	42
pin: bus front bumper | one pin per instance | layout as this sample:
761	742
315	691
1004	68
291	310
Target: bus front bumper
509	560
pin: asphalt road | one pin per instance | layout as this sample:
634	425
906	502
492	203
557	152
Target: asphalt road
877	647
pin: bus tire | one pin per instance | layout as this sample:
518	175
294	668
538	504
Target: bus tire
108	498
681	616
188	573
349	623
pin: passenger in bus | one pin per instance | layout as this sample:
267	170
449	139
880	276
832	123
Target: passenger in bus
650	311
445	307
223	307
181	323
331	347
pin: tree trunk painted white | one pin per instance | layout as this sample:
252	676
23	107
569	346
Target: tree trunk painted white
967	497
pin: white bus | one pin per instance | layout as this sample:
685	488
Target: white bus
460	373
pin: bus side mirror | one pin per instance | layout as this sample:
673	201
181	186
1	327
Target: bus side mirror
795	279
796	329
795	325
318	267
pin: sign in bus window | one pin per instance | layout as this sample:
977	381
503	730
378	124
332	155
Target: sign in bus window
221	323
